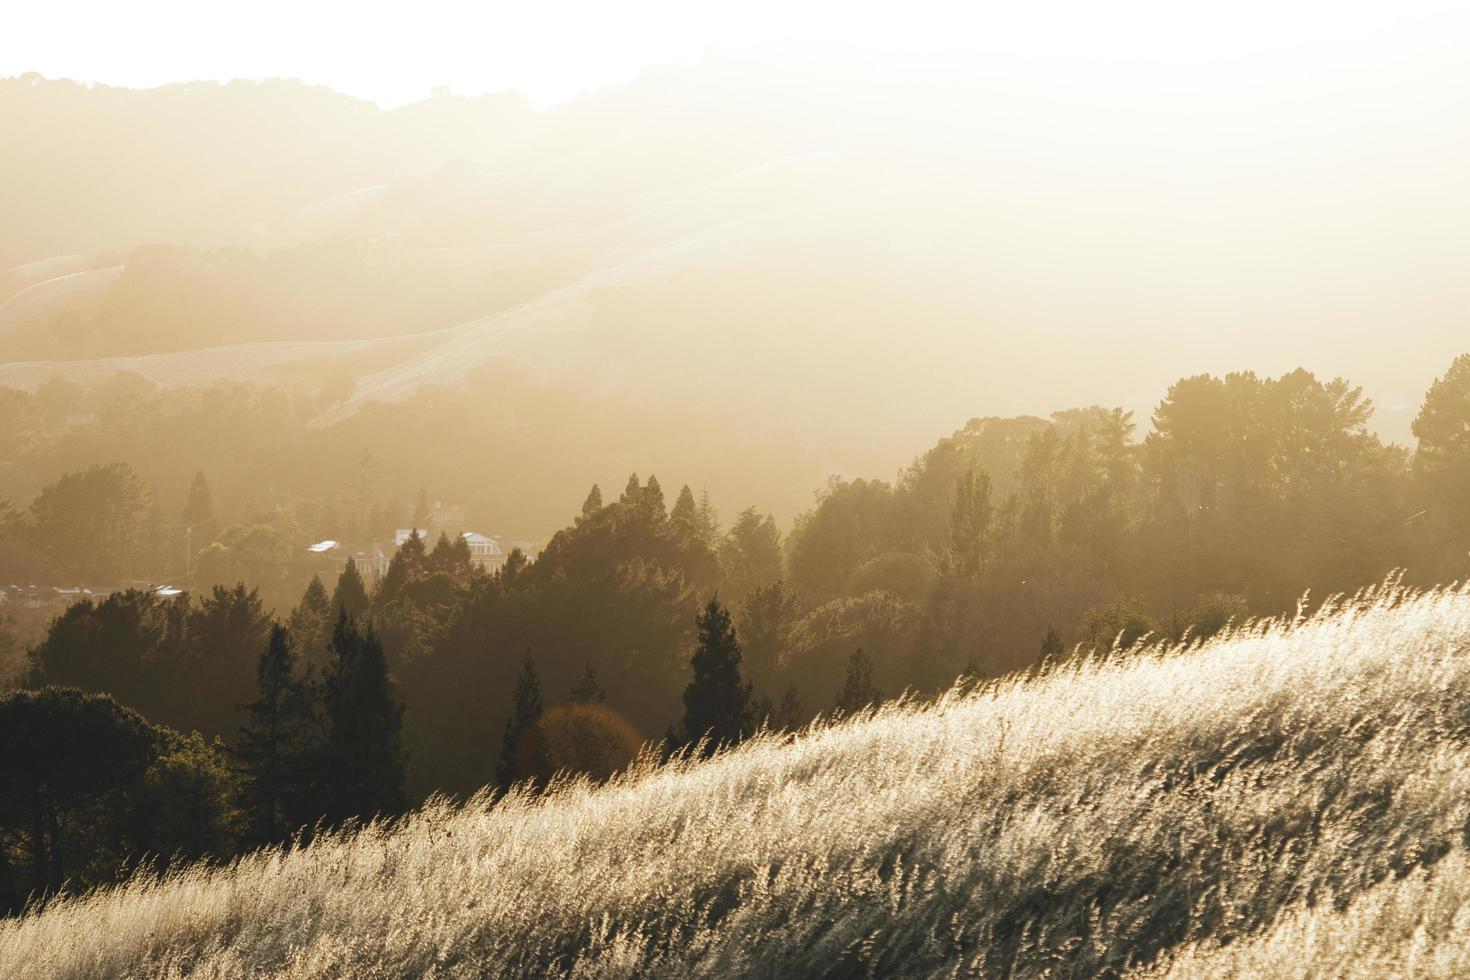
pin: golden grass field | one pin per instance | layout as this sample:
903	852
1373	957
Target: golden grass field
1289	800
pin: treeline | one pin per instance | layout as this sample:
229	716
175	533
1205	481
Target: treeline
644	623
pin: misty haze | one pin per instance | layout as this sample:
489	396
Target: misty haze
629	492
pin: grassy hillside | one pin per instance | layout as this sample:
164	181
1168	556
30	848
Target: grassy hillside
1300	790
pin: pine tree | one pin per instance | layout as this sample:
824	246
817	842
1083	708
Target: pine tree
588	690
717	703
653	500
1051	645
708	520
632	493
275	743
593	503
361	763
311	623
523	715
409	563
350	595
442	558
857	690
685	514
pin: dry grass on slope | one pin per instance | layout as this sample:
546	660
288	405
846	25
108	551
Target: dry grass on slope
1091	820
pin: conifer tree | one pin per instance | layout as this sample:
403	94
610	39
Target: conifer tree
685	513
632	493
514	569
588	690
857	690
1051	645
350	595
523	715
361	763
275	743
409	563
717	703
442	558
311	623
708	522
462	562
593	503
653	499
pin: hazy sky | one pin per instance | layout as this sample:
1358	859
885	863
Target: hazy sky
553	49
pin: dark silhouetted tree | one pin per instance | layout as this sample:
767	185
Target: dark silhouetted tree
717	702
593	503
524	712
276	745
857	689
350	595
361	765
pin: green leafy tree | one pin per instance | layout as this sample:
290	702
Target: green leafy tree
186	807
94	525
69	756
969	523
227	630
718	709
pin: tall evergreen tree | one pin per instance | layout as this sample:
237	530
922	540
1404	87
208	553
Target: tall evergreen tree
409	563
350	595
523	715
653	500
1051	645
717	703
633	492
275	745
593	503
361	763
311	623
685	513
708	520
857	689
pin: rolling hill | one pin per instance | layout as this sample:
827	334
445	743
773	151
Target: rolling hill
1288	799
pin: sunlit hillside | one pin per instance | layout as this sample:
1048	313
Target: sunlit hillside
1298	790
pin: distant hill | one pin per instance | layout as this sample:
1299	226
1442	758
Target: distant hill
734	245
1286	801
